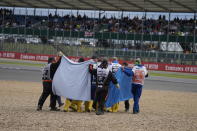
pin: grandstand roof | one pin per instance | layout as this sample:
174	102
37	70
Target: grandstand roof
108	5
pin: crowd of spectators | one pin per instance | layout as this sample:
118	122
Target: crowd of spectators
160	26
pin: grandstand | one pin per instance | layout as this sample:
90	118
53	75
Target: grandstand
167	38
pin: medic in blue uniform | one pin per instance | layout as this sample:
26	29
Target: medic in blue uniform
140	72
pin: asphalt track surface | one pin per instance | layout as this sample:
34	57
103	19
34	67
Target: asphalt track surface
33	74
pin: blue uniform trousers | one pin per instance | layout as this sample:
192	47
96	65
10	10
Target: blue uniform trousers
137	91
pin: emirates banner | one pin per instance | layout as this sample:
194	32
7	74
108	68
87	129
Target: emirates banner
149	66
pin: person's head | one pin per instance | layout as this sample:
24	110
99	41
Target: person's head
124	64
138	61
81	59
94	58
99	59
114	60
51	60
104	63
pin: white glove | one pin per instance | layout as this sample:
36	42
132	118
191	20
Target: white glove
60	53
117	86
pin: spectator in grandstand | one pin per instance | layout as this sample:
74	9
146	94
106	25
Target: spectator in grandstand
140	72
158	26
83	23
104	76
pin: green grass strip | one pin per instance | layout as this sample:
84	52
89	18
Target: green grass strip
174	75
23	64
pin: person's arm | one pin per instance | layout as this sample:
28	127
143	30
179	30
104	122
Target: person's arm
56	64
146	72
54	67
112	78
127	71
146	75
92	70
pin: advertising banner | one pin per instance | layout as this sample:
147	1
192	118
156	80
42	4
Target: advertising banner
149	65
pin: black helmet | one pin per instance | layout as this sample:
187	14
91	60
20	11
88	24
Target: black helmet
51	59
81	59
94	57
104	63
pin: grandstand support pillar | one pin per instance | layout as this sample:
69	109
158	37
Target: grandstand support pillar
169	17
168	31
34	11
99	14
122	14
3	29
142	30
25	21
56	11
194	37
13	10
77	13
48	27
142	33
193	45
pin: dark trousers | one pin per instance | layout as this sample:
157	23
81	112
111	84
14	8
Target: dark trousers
101	94
127	105
137	91
47	90
93	91
59	101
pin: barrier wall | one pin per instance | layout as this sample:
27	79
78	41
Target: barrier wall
150	66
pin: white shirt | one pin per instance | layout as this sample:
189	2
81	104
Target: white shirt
139	74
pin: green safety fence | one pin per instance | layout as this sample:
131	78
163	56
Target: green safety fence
97	35
157	56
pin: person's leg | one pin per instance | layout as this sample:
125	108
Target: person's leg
88	106
59	101
73	106
95	101
79	105
137	90
93	92
44	95
53	100
67	105
126	105
115	107
101	101
98	100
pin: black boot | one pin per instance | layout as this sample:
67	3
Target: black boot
54	109
100	112
61	104
39	108
136	112
126	110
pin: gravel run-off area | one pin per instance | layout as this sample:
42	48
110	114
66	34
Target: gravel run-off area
160	110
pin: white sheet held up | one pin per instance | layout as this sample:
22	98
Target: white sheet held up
73	80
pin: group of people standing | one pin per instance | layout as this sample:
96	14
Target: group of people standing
102	73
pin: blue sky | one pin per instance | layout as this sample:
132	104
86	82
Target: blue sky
94	14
